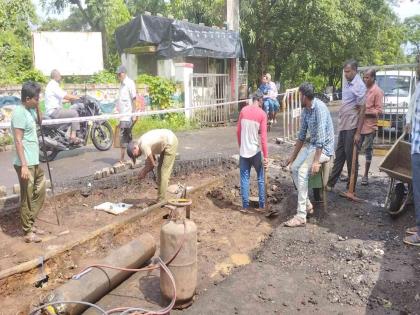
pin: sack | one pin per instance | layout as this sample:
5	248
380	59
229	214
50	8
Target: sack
116	141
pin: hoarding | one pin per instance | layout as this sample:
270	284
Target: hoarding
71	53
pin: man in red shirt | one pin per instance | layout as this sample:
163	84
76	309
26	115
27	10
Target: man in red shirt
368	126
251	129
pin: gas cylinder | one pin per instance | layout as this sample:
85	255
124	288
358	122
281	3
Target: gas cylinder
174	232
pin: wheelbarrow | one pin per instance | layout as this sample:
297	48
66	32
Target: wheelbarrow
397	165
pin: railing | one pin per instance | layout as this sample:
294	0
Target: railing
207	89
291	108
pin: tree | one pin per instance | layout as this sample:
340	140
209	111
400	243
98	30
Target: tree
310	39
412	32
15	51
209	12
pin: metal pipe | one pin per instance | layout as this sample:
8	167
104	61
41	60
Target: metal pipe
93	285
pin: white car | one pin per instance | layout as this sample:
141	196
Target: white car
398	86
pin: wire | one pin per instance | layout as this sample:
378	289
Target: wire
128	310
96	307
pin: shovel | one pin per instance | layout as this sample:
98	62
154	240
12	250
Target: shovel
350	193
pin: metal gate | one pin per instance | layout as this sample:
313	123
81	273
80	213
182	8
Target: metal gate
398	83
207	89
291	115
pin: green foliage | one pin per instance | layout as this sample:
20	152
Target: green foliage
209	12
172	121
32	75
6	140
103	77
310	39
412	32
160	90
15	51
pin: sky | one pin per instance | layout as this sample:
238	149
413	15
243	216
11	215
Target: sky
405	9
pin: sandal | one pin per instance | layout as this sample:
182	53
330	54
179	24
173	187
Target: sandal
295	222
412	240
75	141
364	181
411	231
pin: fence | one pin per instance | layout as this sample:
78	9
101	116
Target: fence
398	83
291	114
211	88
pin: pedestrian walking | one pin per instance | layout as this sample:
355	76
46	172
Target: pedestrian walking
26	161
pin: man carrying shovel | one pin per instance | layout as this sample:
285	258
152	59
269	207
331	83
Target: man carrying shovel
154	142
353	99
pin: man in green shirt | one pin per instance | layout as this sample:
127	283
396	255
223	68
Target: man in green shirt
26	162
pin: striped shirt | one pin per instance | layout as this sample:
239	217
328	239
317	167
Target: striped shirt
353	95
317	120
415	122
252	121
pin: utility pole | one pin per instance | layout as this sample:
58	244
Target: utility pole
232	19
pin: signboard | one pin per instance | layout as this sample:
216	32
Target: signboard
71	53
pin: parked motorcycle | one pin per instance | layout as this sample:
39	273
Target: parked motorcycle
57	137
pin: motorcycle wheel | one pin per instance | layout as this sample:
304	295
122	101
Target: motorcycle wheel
50	155
102	136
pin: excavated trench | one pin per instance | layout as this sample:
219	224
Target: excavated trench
223	234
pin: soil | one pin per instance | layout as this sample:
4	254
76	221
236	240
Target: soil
349	259
223	236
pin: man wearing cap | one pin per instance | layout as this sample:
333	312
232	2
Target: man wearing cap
126	105
154	142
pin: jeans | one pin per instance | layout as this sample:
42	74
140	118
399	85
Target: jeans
245	165
343	154
415	166
32	195
271	106
301	169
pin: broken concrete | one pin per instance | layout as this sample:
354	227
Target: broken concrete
16	189
3	191
97	175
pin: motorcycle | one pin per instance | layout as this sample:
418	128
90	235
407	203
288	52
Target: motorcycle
57	137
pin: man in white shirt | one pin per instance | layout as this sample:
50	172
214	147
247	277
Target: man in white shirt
158	141
54	97
126	105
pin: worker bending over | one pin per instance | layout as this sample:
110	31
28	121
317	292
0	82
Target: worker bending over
158	141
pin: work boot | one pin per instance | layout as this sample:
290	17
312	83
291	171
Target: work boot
31	237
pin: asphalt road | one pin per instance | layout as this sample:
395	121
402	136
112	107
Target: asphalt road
82	162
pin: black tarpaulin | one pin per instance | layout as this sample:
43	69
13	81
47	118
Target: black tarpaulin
178	38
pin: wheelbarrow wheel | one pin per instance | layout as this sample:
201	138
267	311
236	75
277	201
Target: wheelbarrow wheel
397	200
